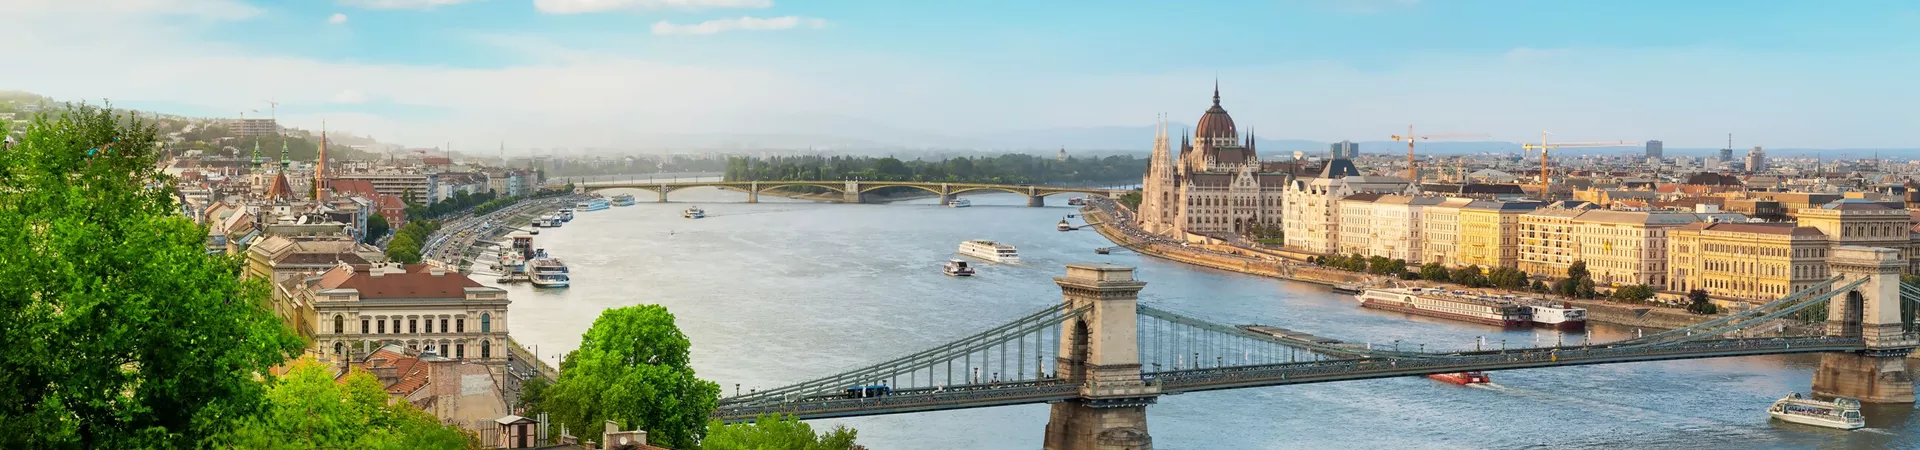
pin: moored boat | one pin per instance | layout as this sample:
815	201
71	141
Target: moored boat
959	203
1077	201
547	271
1841	413
1064	226
1462	378
1564	317
1433	302
990	251
957	268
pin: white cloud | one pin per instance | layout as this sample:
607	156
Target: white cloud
401	4
349	96
337	18
744	23
589	6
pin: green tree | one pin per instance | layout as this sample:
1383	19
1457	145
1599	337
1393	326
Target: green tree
1699	303
376	228
118	329
631	368
1131	199
1433	271
532	394
770	432
309	409
1538	286
1635	293
1471	276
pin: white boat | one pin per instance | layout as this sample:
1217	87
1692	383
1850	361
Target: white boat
1841	413
565	215
1560	317
957	268
595	204
1077	201
1064	226
623	200
959	203
547	271
693	212
990	251
1440	303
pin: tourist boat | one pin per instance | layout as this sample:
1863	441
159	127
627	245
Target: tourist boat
623	200
1562	317
1064	226
547	271
1448	305
1462	378
594	204
565	215
957	268
693	212
959	203
990	250
1841	413
1077	201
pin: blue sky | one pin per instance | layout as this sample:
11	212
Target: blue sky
615	72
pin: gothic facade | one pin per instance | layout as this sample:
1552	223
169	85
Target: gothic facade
1215	186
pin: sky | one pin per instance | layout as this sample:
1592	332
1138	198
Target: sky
612	73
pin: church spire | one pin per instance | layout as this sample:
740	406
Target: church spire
1216	91
285	158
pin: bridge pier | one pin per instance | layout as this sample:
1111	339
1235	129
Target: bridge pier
1036	201
662	191
753	192
1100	350
851	194
946	194
1871	312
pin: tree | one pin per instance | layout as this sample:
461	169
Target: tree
1699	303
1131	199
1539	286
308	409
1433	271
631	368
1471	276
376	228
119	330
770	432
532	393
1635	293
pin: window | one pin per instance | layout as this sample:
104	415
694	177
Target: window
363	325
443	324
413	326
339	325
460	325
383	327
486	325
339	349
460	351
486	348
396	325
430	325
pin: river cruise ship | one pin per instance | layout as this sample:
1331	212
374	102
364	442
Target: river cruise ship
1841	413
990	251
1559	316
1433	302
593	204
622	200
1064	226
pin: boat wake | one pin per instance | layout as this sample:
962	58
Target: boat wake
1598	405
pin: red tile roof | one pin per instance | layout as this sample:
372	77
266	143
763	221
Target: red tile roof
417	282
362	188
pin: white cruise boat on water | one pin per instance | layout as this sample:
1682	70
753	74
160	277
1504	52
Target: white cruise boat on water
959	203
566	215
693	212
547	271
1841	413
957	268
622	200
990	250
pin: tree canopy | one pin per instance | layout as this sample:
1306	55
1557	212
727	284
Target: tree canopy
308	409
769	432
120	330
631	368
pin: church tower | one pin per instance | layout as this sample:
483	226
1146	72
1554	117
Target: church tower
1157	192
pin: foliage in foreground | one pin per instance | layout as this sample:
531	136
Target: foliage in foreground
631	368
309	409
770	432
119	330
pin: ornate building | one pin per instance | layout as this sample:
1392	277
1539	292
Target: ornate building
1215	186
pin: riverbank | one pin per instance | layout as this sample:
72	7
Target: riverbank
1264	264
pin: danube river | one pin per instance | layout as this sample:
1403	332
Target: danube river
785	291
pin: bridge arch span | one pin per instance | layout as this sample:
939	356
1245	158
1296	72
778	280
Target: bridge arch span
865	188
769	185
1010	190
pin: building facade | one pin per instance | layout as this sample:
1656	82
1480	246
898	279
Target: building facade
1628	247
1489	232
1384	225
1546	236
1746	260
1440	226
1215	186
360	308
1867	223
1656	149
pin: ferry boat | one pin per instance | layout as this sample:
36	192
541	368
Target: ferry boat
1462	378
959	203
547	271
547	221
513	259
693	212
957	268
990	250
1841	413
1458	305
623	200
1064	226
595	204
1560	317
1077	201
565	215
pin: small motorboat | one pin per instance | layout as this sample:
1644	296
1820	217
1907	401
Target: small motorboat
957	268
1462	378
1064	226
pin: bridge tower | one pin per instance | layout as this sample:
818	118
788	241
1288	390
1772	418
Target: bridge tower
1872	313
1100	350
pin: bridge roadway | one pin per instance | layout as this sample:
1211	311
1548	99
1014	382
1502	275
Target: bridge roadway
851	190
1052	390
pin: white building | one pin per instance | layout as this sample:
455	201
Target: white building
1385	225
1311	211
1440	231
359	308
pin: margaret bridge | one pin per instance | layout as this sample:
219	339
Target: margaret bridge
1101	356
851	191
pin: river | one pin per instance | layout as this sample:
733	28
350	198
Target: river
784	291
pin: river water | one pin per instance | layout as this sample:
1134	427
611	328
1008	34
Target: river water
785	291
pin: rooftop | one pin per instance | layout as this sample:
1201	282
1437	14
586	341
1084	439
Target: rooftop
395	281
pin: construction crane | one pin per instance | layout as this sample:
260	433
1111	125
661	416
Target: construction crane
1546	170
1413	171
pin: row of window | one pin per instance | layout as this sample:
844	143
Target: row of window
459	349
369	325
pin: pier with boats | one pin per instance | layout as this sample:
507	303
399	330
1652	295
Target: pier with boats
1489	309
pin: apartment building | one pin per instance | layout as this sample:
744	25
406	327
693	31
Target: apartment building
1440	231
1546	238
1746	260
1384	225
1489	231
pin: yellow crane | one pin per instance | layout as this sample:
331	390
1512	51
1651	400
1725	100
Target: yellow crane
1546	169
1413	171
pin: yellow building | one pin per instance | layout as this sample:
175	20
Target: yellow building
1865	223
1758	261
1488	232
1440	224
1630	247
1547	245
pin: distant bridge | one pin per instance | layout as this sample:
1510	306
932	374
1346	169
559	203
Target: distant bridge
851	191
1100	357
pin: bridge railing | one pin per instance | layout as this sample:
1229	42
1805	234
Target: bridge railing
997	393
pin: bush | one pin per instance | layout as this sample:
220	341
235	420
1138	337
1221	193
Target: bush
1635	293
1698	303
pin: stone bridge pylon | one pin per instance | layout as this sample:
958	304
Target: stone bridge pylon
1872	313
1099	350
